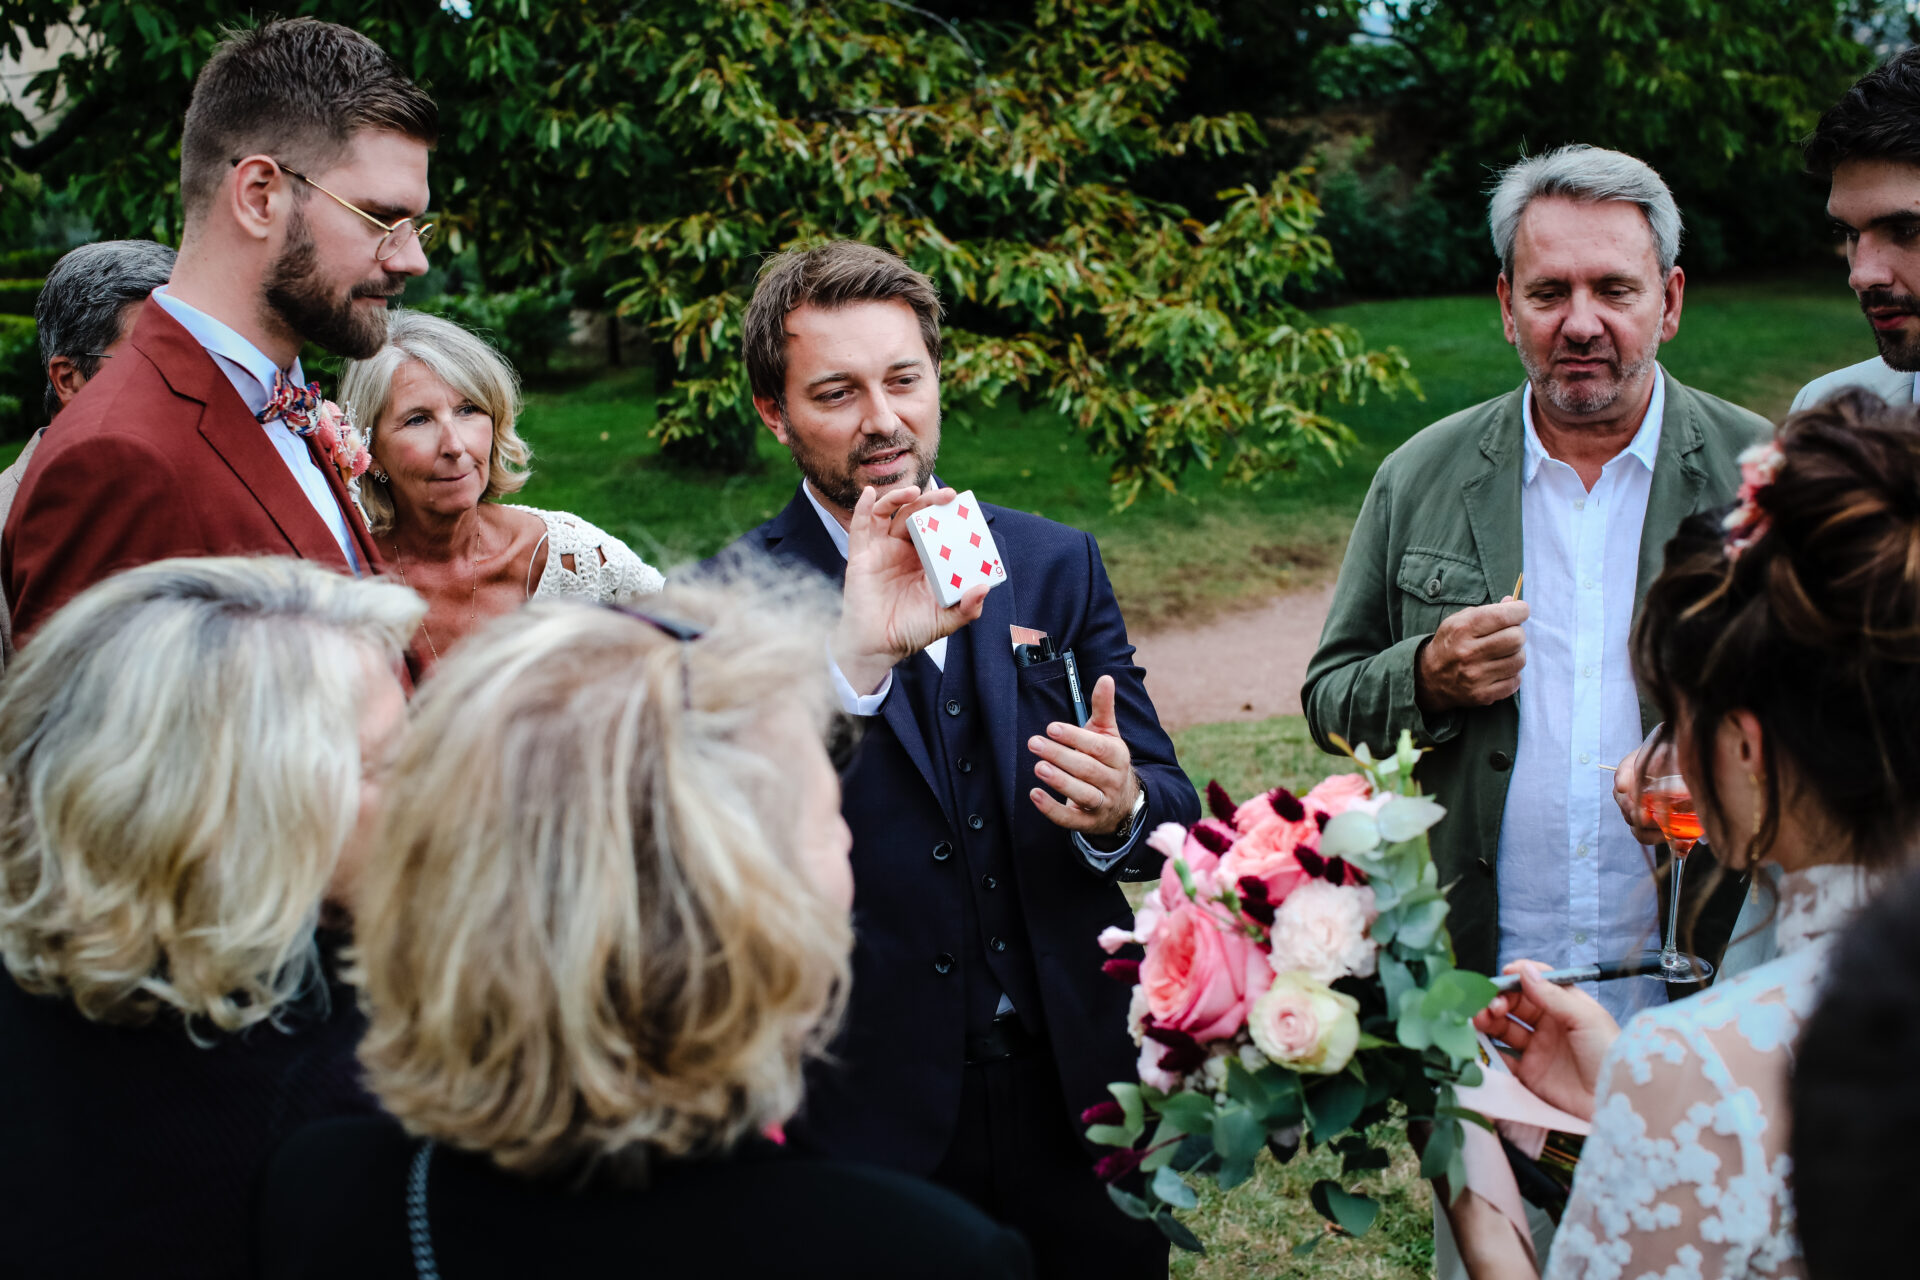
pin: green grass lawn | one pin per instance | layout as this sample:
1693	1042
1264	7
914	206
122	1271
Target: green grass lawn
1180	558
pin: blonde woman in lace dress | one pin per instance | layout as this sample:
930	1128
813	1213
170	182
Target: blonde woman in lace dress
1785	652
438	406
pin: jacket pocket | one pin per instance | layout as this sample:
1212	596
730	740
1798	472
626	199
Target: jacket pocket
1434	584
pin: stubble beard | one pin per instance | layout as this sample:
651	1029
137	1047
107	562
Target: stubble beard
1900	351
837	481
295	293
1589	395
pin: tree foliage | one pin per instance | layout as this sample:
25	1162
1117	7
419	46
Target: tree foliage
1021	155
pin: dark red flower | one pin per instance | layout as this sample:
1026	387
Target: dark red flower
1340	871
1311	862
1254	900
1112	1168
1108	1112
1321	818
1219	802
1122	970
1286	805
1216	837
1183	1054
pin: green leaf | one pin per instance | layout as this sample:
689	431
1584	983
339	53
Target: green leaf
1466	1113
1238	1134
1308	1245
1405	817
1395	978
1128	1096
1357	1155
1443	1147
1455	1038
1333	1105
1193	1152
1173	1189
1420	920
1242	1086
1353	1214
1349	835
1110	1135
1233	1172
1166	1140
1131	1205
1177	1232
1189	1112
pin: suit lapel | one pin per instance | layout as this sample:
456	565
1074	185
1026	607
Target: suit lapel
356	525
797	534
996	680
1492	498
232	432
1677	482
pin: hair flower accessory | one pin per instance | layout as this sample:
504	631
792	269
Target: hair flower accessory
1748	522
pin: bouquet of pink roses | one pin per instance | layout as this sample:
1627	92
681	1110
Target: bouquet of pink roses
1297	981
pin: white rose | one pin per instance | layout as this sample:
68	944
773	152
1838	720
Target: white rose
1321	929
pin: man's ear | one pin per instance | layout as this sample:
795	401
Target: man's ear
258	186
1503	290
773	415
66	378
1676	293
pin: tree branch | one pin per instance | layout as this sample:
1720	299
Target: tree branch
79	118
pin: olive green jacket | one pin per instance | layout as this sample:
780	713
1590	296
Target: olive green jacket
1440	530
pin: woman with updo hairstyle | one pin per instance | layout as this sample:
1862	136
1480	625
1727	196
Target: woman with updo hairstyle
191	760
599	943
1782	645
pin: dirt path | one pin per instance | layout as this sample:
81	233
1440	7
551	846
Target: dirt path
1245	666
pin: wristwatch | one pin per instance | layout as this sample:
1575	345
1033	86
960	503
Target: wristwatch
1125	831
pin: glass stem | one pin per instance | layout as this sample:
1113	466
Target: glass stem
1670	954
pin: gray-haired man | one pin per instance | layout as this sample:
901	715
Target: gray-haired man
83	315
1579	477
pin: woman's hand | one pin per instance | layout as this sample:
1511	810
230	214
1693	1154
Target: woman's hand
1562	1035
1626	794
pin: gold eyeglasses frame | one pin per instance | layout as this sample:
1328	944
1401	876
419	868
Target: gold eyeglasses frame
393	238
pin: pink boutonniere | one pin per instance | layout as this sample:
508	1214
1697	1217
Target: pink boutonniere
341	444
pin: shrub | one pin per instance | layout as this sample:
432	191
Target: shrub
1394	239
526	326
22	381
18	296
19	263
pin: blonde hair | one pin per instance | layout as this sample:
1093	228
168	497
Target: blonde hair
179	769
590	935
463	361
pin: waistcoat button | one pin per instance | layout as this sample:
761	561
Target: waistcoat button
953	707
943	963
964	765
998	944
988	882
942	851
1501	761
975	821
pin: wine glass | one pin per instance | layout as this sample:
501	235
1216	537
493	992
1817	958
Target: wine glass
1668	805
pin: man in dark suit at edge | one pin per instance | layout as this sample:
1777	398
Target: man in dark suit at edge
989	829
303	175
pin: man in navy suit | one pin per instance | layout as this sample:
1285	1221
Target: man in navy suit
989	829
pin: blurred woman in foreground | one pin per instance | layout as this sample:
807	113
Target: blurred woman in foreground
190	762
1784	649
601	940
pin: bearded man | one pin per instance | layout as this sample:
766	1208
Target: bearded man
1579	477
1868	146
303	176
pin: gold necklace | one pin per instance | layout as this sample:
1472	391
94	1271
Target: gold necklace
473	595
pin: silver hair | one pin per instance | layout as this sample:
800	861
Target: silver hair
80	307
1589	174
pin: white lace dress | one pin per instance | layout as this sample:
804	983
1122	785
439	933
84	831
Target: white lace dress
584	562
1686	1175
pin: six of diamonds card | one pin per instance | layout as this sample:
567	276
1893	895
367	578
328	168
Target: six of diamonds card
956	548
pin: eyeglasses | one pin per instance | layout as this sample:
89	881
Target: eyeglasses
394	236
685	632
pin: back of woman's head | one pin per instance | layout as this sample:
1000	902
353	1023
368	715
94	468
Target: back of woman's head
1806	613
1856	1114
586	930
179	769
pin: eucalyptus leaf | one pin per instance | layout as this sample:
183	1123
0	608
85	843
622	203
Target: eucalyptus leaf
1308	1245
1353	1214
1173	1189
1233	1172
1242	1086
1128	1096
1443	1145
1333	1105
1238	1134
1395	979
1110	1135
1179	1233
1131	1205
1160	1151
1193	1152
1349	835
1420	921
1405	817
1189	1112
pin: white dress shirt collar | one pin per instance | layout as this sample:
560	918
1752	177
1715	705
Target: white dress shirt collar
835	529
247	367
1644	447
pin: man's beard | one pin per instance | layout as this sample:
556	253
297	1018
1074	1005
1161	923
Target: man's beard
835	479
1589	395
296	294
1900	350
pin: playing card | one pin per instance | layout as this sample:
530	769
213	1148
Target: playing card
956	548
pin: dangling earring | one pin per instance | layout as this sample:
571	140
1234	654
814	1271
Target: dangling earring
1753	838
380	475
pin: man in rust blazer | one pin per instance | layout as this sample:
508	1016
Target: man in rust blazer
303	171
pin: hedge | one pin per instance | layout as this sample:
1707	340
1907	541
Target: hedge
18	296
22	381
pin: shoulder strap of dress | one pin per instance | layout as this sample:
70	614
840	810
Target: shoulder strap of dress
534	559
419	1231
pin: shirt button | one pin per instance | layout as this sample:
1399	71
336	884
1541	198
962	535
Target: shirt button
943	963
1579	504
942	851
1585	758
988	882
1587	672
975	821
1588	584
1581	852
953	707
998	944
1581	937
964	765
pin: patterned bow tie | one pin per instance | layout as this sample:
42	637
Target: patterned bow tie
293	404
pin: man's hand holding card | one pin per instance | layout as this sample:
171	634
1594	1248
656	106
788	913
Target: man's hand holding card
891	608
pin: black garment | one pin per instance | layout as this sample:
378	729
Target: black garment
335	1204
1013	1157
133	1151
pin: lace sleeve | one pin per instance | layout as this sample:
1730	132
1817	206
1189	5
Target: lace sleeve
626	577
586	561
1685	1174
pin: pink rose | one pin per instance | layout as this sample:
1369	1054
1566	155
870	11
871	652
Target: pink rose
1300	1023
361	461
1267	854
1202	862
1200	976
1337	794
1167	839
1321	929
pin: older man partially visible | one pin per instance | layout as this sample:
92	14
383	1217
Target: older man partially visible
84	313
1578	477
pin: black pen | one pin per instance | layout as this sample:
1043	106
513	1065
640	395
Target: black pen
1647	967
1073	689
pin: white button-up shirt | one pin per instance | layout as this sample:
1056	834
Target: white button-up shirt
1574	884
251	371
